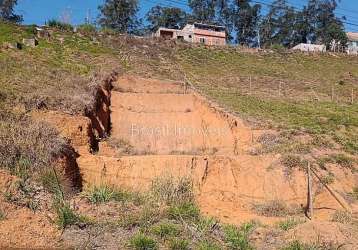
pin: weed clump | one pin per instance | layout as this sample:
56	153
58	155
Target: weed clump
143	242
104	194
237	238
288	224
275	208
171	190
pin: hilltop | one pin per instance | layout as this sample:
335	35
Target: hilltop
63	104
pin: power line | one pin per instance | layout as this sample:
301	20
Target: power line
298	9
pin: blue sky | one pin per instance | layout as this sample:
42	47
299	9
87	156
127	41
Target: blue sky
38	11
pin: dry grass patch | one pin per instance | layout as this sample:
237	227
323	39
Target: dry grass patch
276	208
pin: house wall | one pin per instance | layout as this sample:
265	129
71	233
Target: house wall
194	35
352	48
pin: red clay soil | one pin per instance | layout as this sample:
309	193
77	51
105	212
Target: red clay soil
21	227
147	115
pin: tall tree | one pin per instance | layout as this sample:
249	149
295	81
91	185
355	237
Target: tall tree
166	17
120	15
246	22
203	10
325	26
278	26
7	11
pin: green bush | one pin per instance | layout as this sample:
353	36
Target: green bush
60	25
105	194
238	238
86	29
186	211
143	242
66	216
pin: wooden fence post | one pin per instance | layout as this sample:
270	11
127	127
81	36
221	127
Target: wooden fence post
352	97
250	85
309	210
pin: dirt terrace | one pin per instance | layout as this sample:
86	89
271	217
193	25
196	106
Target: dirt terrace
172	132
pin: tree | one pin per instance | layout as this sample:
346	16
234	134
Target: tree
325	26
203	10
7	11
166	17
280	24
246	22
119	15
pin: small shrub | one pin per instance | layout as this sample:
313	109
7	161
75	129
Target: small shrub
297	245
205	225
238	238
354	193
105	194
66	216
86	29
178	244
165	230
186	211
143	242
288	224
275	208
344	161
60	25
50	182
328	179
342	217
123	147
2	215
171	190
290	162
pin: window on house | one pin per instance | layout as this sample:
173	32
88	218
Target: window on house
189	36
202	40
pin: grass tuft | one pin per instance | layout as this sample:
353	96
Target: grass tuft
237	238
143	242
288	224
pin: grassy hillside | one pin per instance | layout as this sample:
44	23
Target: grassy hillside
307	99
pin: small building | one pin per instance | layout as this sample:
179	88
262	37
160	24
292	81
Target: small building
306	47
352	44
196	33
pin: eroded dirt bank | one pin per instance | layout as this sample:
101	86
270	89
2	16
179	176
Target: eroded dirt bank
165	131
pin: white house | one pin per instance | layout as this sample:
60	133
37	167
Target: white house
305	47
352	45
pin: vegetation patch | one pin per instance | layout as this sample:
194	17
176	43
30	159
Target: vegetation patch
237	238
276	208
289	223
103	194
143	242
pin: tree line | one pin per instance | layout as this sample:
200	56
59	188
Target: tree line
245	21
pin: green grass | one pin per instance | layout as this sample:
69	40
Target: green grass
66	216
186	211
288	224
224	78
143	242
165	230
178	244
237	238
104	194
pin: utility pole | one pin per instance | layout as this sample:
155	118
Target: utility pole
88	17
